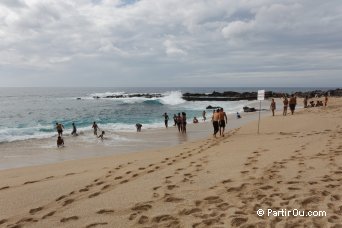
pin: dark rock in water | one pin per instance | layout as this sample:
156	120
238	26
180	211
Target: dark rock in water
248	109
212	107
78	98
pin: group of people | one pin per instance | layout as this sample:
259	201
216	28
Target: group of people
292	103
319	103
219	120
60	128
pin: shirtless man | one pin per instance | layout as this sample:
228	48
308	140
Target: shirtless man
223	121
326	100
293	103
215	119
59	128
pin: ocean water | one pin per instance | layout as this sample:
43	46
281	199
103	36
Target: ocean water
28	113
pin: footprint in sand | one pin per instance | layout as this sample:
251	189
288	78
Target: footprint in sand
142	206
143	219
67	202
189	211
96	224
105	187
61	197
35	210
170	187
49	214
105	211
72	218
172	199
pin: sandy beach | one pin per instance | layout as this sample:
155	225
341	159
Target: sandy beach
294	163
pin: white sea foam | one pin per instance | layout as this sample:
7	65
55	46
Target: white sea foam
167	98
16	134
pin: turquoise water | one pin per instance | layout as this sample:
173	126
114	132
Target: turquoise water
32	112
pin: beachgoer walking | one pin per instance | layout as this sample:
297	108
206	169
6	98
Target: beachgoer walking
293	103
222	122
60	141
326	100
95	128
286	103
59	128
273	106
215	119
183	122
203	115
166	119
74	130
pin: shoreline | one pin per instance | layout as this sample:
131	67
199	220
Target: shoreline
35	152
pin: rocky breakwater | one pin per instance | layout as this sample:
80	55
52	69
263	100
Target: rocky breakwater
236	96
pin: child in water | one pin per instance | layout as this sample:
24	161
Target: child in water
101	136
60	142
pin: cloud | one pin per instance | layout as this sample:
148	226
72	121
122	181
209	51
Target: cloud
153	42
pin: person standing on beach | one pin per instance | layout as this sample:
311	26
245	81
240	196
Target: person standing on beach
293	103
223	121
175	119
74	130
306	101
326	100
166	119
59	128
286	103
95	128
215	119
183	122
179	122
273	106
203	115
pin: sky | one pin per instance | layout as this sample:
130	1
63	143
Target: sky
171	43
